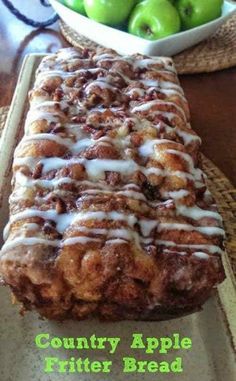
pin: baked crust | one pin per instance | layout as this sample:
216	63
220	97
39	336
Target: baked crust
110	215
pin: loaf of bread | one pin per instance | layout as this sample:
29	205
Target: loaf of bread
110	215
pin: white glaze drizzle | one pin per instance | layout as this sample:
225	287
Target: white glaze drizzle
79	240
148	105
201	255
26	241
96	168
197	213
147	149
207	230
64	220
212	249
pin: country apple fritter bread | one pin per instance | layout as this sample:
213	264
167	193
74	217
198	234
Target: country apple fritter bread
110	215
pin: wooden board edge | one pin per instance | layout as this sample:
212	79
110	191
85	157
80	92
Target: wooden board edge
15	114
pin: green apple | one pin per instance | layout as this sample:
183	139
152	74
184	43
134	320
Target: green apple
197	12
109	12
139	1
154	19
76	5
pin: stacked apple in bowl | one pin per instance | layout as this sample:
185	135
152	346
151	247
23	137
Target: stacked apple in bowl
149	19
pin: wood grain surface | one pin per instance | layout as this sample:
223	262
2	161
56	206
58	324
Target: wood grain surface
212	97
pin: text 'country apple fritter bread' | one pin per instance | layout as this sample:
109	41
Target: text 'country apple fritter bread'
110	215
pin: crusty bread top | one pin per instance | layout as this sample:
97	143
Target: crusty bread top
109	163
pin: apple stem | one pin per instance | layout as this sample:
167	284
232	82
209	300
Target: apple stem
188	10
147	30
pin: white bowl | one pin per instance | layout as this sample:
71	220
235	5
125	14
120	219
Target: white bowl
125	43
